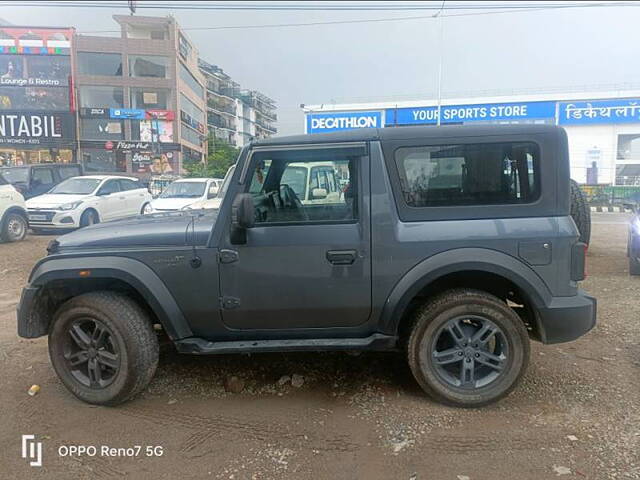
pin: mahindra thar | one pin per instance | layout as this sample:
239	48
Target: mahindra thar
453	245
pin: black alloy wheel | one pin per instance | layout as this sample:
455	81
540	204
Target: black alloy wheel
469	352
91	353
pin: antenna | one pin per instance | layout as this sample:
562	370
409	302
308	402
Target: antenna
132	6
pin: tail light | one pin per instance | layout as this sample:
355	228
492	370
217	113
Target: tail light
579	261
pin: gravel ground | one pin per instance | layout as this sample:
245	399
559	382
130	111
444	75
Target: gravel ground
576	414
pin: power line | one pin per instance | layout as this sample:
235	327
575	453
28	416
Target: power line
394	19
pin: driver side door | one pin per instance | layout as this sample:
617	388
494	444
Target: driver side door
303	265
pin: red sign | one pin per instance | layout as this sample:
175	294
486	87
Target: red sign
108	145
160	114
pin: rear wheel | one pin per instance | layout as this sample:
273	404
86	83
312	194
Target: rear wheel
467	348
88	218
580	212
14	228
103	347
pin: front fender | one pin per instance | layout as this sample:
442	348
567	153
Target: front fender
460	260
133	272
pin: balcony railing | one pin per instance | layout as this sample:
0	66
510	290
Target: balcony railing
221	107
266	126
220	123
269	114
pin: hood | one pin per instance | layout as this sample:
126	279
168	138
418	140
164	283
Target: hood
52	200
159	229
172	203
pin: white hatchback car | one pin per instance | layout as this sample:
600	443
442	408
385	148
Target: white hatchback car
13	213
184	192
81	201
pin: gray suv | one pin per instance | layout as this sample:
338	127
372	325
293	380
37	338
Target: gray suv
453	245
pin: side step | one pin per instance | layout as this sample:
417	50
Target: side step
200	346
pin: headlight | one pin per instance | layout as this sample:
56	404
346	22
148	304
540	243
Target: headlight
70	206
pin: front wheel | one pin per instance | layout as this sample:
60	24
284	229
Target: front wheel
88	218
103	347
14	228
467	348
146	209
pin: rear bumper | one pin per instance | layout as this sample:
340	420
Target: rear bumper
567	318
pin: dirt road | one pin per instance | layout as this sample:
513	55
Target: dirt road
576	415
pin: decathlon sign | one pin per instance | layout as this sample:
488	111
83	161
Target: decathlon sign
334	122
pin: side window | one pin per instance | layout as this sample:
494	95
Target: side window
110	186
68	172
300	186
469	174
128	185
42	176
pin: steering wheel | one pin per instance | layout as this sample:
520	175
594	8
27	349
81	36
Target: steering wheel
292	202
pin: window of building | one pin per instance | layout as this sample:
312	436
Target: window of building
190	80
303	186
101	160
93	63
101	129
99	96
154	66
471	174
190	156
49	68
146	98
191	109
190	135
34	98
153	33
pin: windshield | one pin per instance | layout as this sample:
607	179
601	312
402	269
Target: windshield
184	190
226	181
296	178
15	175
76	186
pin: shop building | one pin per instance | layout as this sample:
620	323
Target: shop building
603	126
37	120
141	99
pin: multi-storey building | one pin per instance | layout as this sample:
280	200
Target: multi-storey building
236	116
37	123
141	98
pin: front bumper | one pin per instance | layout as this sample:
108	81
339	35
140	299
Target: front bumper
567	318
39	218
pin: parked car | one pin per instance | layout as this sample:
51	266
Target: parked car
184	192
39	178
82	201
13	214
214	202
452	244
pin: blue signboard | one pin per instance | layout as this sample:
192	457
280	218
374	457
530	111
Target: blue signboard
333	122
130	113
599	111
487	112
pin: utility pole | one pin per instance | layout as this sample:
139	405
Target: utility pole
441	25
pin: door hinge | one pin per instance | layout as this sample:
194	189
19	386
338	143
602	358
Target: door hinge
228	256
229	303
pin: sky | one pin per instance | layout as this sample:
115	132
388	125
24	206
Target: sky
358	62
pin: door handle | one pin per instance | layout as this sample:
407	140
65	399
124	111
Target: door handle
341	257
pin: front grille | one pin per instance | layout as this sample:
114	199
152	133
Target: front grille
39	217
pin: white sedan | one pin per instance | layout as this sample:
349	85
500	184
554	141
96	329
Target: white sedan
81	201
184	192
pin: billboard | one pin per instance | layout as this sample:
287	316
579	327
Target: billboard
490	112
36	128
593	112
334	122
35	41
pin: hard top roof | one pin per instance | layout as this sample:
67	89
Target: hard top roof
399	133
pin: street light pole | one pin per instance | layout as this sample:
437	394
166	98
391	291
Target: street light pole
441	53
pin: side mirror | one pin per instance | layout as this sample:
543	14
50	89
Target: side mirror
242	218
319	193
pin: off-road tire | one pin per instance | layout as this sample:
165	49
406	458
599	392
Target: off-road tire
14	228
428	320
132	330
87	215
580	212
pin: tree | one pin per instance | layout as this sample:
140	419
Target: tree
221	156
